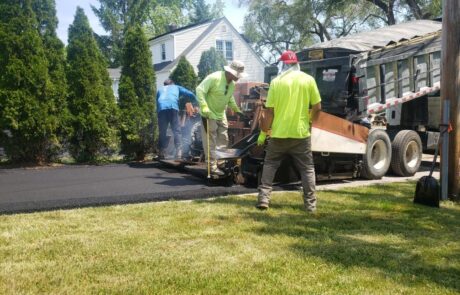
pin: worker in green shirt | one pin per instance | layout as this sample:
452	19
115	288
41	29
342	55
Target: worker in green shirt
291	96
214	95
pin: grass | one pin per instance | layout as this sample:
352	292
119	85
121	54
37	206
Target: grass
369	240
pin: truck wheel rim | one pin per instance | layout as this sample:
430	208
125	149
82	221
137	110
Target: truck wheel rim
378	155
412	154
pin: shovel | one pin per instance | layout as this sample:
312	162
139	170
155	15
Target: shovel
428	190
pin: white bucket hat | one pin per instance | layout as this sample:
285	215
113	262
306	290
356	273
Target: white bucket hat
236	68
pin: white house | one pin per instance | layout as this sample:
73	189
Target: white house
192	40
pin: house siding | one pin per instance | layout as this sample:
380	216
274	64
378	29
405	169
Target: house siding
161	77
155	48
241	51
183	39
177	43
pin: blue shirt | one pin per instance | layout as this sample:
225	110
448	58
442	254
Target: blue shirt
168	97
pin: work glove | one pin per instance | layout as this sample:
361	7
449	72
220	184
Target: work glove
205	112
261	138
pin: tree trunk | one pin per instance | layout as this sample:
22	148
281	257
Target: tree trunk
415	9
388	9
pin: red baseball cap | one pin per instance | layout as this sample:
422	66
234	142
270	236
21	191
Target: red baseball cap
288	57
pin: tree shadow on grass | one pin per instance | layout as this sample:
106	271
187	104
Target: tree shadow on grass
380	229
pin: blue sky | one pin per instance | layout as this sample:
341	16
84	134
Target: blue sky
66	11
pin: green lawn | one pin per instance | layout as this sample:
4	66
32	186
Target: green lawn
369	240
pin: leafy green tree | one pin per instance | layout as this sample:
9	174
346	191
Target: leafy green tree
217	9
269	27
200	11
162	15
274	26
91	100
28	119
424	9
210	61
184	74
137	96
116	16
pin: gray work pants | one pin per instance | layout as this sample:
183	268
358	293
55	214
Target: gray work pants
218	138
302	159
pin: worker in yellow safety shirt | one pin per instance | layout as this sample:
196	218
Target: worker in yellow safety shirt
293	100
214	95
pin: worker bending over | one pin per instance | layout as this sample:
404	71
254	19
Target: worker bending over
168	115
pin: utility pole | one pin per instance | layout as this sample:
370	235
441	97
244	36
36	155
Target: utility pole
450	88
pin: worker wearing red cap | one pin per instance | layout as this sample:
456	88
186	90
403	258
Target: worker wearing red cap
293	100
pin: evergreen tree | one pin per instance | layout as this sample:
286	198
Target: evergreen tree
91	100
28	120
45	11
210	61
137	96
116	16
200	11
184	74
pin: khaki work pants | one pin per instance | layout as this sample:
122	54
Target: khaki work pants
218	138
302	157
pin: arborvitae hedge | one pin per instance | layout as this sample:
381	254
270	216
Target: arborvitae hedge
137	96
45	11
184	74
91	100
210	61
28	111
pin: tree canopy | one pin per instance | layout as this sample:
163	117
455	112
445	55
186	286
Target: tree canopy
200	11
116	16
274	25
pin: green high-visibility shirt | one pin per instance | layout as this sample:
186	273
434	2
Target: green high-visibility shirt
291	95
214	93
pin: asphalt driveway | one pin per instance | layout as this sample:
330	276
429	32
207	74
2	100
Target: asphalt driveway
28	190
24	190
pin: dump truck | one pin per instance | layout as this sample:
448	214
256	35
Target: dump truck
380	95
387	80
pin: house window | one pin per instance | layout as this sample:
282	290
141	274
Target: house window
226	48
163	51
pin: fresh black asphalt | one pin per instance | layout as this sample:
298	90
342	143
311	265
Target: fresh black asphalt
65	187
29	190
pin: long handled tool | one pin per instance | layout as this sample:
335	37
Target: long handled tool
427	190
208	151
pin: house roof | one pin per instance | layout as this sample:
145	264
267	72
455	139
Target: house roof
161	66
182	29
382	37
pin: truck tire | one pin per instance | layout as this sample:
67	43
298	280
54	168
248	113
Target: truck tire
406	153
376	160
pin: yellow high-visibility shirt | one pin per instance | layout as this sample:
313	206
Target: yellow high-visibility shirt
212	93
291	96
